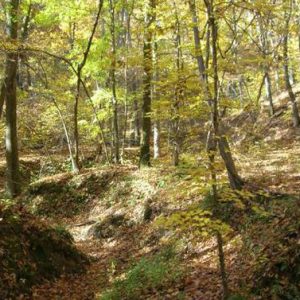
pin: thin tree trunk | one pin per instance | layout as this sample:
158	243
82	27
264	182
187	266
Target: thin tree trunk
268	87
24	82
69	143
113	84
264	38
11	139
127	42
79	82
136	125
156	125
295	111
179	90
156	139
260	90
75	161
235	181
2	98
211	148
277	79
125	115
222	265
146	108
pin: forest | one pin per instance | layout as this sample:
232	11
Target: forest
150	149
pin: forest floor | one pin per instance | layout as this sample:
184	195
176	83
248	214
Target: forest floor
112	257
274	169
83	203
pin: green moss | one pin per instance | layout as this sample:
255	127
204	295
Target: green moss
154	272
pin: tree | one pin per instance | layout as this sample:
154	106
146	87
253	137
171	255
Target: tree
114	102
212	98
179	90
80	67
10	96
148	73
295	111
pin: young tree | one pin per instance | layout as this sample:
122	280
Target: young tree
295	110
10	96
179	90
114	102
79	70
212	98
148	73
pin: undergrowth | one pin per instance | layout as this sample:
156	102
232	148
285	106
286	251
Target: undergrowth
155	272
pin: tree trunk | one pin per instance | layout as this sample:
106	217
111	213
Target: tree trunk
66	134
127	20
146	108
268	87
113	84
2	98
156	127
11	139
179	91
234	179
136	126
24	76
79	82
75	166
156	140
295	111
222	266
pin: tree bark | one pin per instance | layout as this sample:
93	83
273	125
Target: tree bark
2	98
156	125
136	126
269	92
146	108
114	100
11	139
179	91
23	75
222	265
156	139
295	110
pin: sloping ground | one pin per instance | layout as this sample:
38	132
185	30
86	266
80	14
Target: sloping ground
276	170
253	125
120	190
138	197
112	213
115	225
280	99
29	165
32	252
267	148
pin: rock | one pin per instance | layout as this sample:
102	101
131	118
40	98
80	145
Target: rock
108	227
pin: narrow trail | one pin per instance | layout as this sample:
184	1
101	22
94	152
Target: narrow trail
110	258
103	256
